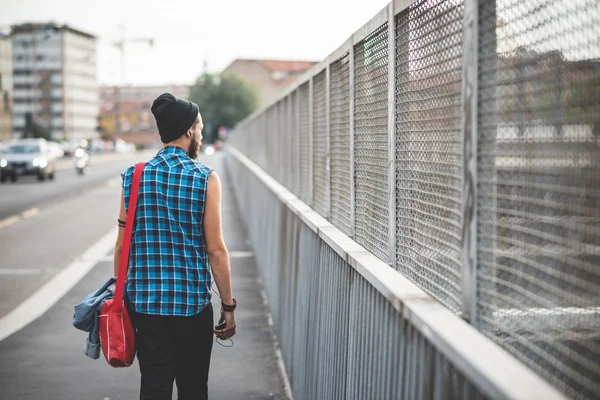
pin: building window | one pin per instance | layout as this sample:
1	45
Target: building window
279	75
6	100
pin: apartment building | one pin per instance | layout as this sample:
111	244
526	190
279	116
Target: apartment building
55	85
270	77
6	87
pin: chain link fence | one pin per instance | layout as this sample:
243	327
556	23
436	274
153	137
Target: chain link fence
341	167
336	136
319	148
371	142
303	93
284	142
294	184
428	147
272	142
539	187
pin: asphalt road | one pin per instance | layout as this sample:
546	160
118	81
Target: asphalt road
44	359
28	192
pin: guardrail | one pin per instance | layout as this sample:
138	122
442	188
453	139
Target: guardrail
349	326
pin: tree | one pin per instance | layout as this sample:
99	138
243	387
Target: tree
223	101
104	134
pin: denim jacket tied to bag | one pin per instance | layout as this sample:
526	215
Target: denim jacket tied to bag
86	316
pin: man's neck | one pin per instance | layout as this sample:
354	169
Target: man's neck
177	144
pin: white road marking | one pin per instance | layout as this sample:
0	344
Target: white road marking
20	271
116	181
32	212
241	254
10	220
36	305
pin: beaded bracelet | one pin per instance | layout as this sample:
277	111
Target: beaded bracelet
228	307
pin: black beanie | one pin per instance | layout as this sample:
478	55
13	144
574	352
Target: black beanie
174	116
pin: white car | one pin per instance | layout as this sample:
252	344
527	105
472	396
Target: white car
55	147
27	157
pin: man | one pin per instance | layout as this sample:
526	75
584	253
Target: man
176	235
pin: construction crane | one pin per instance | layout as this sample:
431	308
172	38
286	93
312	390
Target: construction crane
120	44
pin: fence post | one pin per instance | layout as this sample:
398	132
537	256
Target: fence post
352	180
392	132
469	159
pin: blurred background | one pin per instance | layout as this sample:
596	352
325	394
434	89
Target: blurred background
72	71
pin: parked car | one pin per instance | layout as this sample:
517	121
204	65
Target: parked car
27	157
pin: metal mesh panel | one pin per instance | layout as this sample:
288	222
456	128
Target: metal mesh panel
261	141
276	168
294	145
321	185
371	142
428	147
272	144
538	193
283	134
266	140
340	144
303	113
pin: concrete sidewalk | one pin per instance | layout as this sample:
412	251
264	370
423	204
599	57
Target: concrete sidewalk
45	359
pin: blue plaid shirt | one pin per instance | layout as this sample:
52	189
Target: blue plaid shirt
169	273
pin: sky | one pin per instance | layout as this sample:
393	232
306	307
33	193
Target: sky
188	32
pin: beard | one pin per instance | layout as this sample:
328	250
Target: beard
194	150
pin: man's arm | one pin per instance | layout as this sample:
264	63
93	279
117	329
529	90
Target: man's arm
120	236
217	251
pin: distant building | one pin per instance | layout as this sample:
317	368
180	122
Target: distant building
55	88
125	111
269	77
6	87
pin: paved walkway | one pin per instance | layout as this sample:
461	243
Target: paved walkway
45	360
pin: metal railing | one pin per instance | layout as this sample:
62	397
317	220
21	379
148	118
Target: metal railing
457	141
349	326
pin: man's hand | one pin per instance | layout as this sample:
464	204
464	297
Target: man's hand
229	329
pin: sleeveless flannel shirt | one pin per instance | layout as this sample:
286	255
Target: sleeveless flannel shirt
169	273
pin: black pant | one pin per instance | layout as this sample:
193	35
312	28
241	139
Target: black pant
174	348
